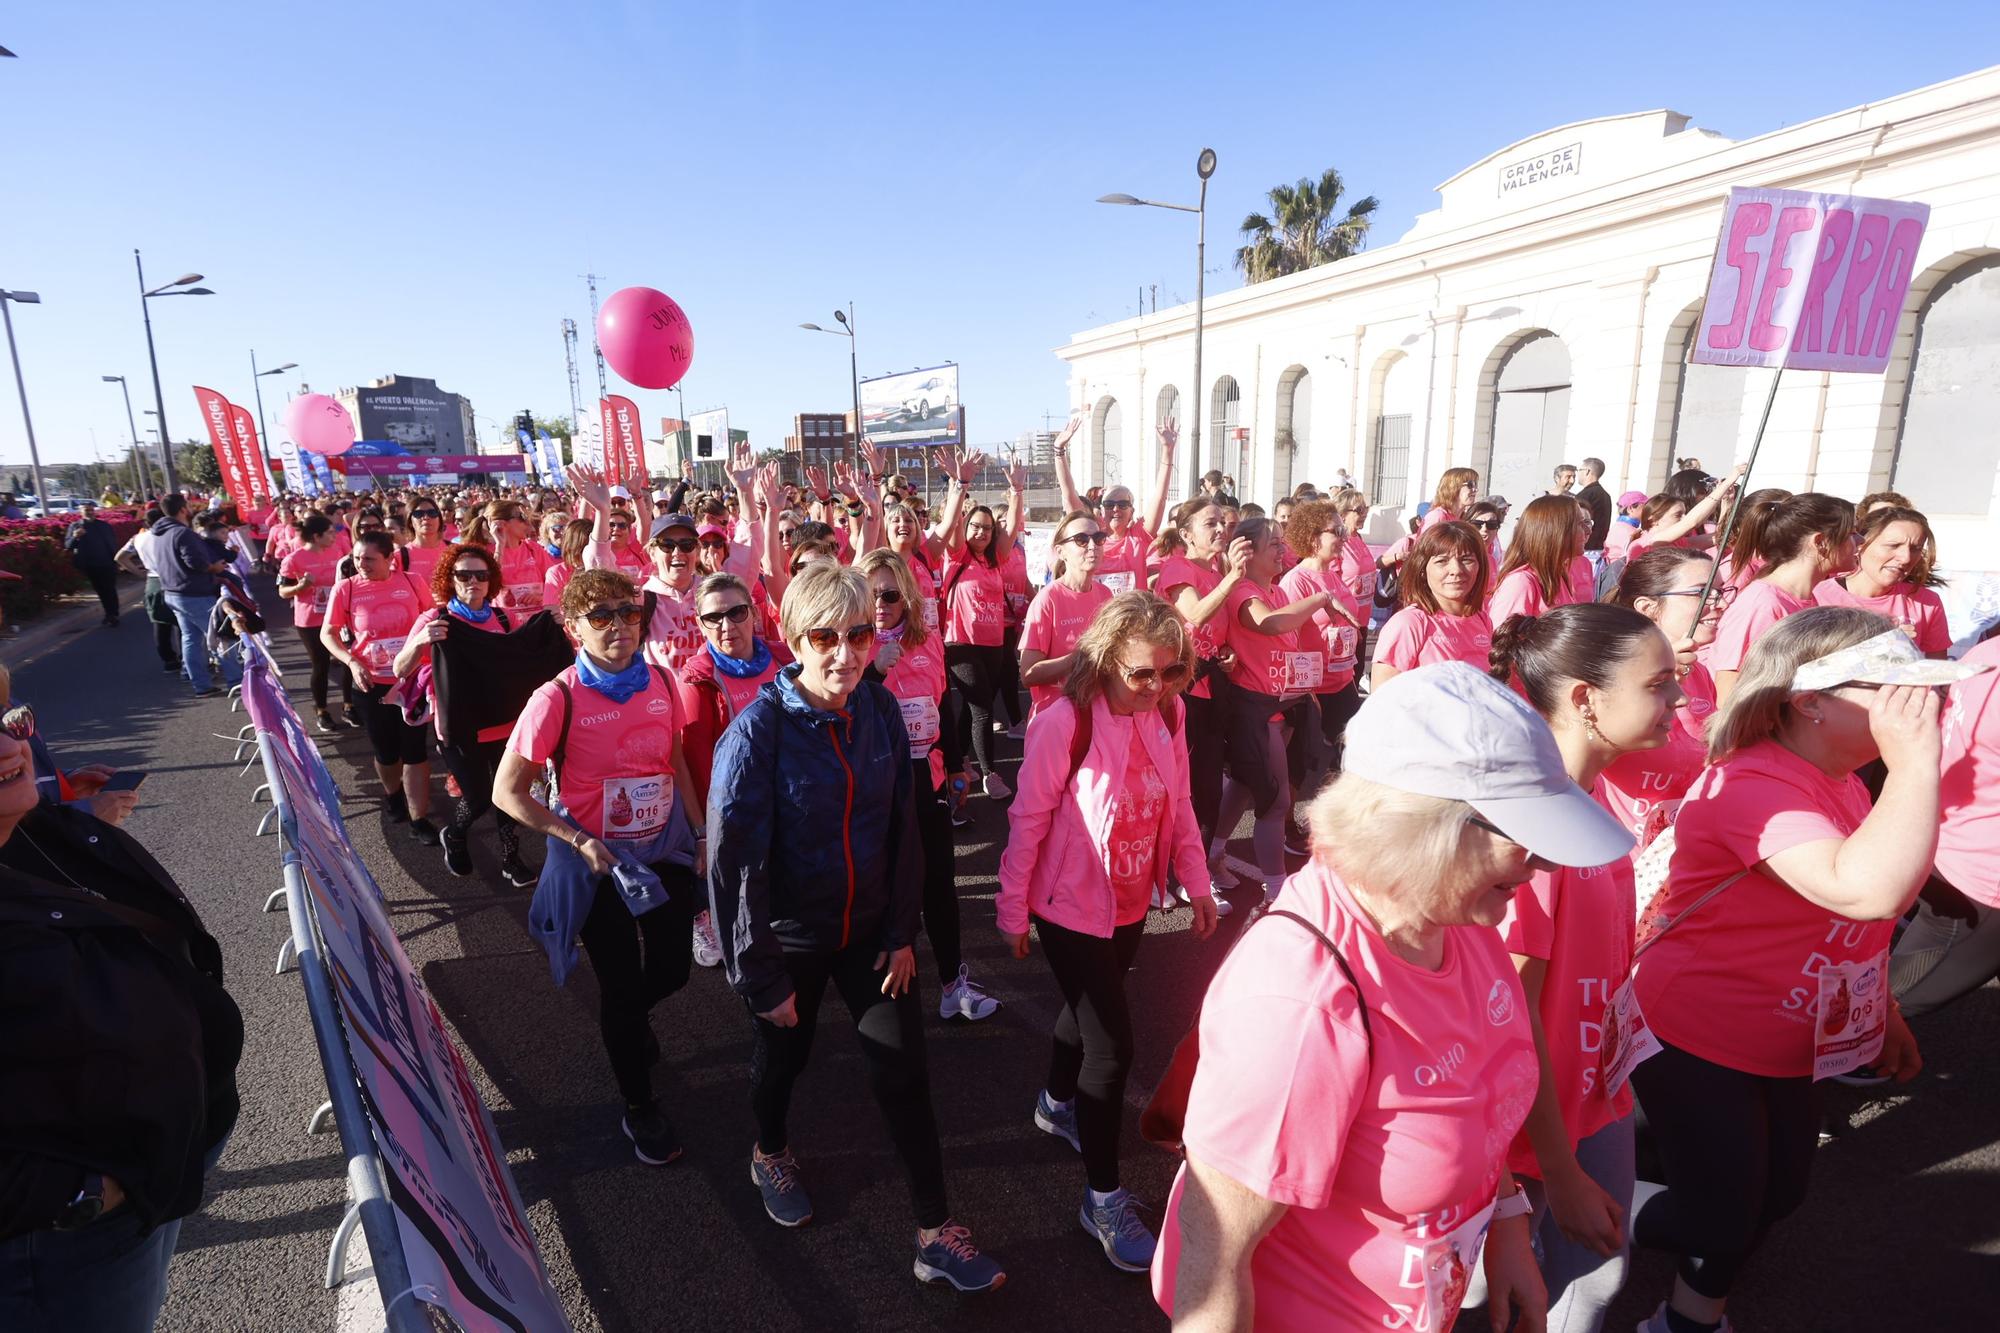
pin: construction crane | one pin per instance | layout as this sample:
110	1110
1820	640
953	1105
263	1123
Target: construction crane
575	390
592	279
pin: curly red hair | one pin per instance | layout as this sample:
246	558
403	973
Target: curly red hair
441	584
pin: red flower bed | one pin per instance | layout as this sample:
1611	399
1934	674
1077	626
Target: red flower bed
32	548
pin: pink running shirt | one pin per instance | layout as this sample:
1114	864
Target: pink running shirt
1057	618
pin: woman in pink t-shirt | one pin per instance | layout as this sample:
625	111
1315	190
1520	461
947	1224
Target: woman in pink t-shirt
975	615
1062	610
427	542
1457	490
1545	566
1366	1058
1773	972
1644	788
367	620
576	538
1668	520
1803	540
1315	535
1128	533
1604	678
1272	675
502	527
1443	616
1357	563
1101	816
305	578
1893	577
609	726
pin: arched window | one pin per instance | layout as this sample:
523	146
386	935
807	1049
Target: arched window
1293	434
1107	440
1948	450
1387	480
1225	450
1530	421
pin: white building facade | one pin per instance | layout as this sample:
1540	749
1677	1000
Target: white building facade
1543	313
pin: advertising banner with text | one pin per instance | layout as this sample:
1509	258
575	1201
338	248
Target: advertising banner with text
626	432
219	415
252	450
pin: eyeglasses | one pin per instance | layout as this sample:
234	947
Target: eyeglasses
826	640
735	615
786	535
471	575
1486	524
617	525
682	544
1143	677
714	543
1115	504
18	722
1540	863
888	596
1083	539
600	617
426	513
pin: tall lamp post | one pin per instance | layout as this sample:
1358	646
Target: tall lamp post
257	383
180	286
1204	167
7	302
846	330
139	474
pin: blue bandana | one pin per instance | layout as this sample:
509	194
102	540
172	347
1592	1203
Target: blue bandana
615	686
742	668
464	612
555	552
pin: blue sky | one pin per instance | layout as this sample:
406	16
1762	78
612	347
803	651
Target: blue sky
416	188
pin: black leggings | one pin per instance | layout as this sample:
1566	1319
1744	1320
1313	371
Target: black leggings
104	582
393	740
940	873
166	630
639	961
1091	1050
1247	721
323	666
891	1031
1007	689
1737	1149
1203	723
976	673
474	769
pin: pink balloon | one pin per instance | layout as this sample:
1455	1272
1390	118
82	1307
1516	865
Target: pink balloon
320	424
646	337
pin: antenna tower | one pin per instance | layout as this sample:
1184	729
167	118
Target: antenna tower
592	279
575	391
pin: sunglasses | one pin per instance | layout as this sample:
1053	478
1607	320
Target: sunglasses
600	617
1083	539
715	543
18	722
426	513
735	615
617	525
1116	504
888	596
682	544
471	575
786	535
1171	674
826	640
1486	524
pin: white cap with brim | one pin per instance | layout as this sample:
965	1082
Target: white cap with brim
1450	731
1890	658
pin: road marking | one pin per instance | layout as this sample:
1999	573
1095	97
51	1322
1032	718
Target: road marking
358	1299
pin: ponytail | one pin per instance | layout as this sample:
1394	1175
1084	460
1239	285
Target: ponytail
1758	506
1582	641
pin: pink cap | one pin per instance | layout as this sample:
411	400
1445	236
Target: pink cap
1630	498
711	530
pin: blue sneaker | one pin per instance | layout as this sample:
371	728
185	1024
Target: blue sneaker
953	1258
1057	1119
1116	1225
777	1178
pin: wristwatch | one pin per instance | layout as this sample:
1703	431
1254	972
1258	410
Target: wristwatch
1517	1204
85	1208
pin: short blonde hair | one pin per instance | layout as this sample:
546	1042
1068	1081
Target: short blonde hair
1130	615
915	631
823	595
1384	838
1763	695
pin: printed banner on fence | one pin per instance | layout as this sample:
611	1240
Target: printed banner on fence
464	1231
440	465
219	415
1809	281
622	430
251	450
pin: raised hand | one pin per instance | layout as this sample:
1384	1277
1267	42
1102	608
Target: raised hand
1170	434
970	466
816	479
1017	476
871	456
1068	433
588	482
742	467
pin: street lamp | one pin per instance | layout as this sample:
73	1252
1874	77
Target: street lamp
7	301
846	330
257	383
181	286
1204	167
138	448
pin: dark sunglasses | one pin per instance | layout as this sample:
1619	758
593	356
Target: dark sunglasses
787	535
1115	504
426	513
619	524
888	596
18	722
1485	524
1171	674
735	615
1083	539
682	544
718	543
600	617
826	640
471	575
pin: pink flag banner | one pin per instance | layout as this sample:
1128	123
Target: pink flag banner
220	416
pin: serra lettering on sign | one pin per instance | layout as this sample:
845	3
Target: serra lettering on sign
1809	281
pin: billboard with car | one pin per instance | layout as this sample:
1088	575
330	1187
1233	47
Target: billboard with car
913	409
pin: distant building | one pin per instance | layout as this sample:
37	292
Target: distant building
821	439
1036	448
412	412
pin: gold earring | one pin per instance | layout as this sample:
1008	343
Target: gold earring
1590	724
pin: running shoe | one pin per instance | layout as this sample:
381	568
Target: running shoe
423	830
961	999
1297	841
653	1138
707	945
212	692
999	727
516	872
953	1258
457	855
1116	1225
323	723
996	788
777	1178
1057	1118
451	787
960	818
1863	1076
397	807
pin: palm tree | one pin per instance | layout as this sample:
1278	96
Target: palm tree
1305	228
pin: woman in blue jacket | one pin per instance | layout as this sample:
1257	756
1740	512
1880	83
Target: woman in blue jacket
816	876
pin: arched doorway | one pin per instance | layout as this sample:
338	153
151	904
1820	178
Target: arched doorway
1224	450
1530	421
1167	411
1293	435
1708	415
1107	439
1948	450
1387	480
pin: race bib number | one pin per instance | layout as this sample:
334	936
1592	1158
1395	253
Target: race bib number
382	652
524	594
920	720
1853	1016
1304	671
637	807
1118	580
931	614
1627	1042
321	598
1449	1262
1341	643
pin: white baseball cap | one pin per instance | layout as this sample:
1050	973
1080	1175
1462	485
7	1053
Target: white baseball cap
1451	731
620	493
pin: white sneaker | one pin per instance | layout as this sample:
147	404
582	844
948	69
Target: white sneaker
999	727
963	1000
707	944
1223	907
996	789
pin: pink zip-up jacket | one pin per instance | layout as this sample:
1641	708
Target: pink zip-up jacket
1057	862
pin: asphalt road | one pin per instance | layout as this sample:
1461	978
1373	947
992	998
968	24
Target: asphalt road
1901	1229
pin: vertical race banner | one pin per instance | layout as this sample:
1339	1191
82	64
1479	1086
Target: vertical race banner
631	440
613	457
527	443
219	415
322	474
288	458
252	450
552	465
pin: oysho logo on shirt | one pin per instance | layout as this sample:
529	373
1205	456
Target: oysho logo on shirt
1429	1076
596	719
1500	1004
